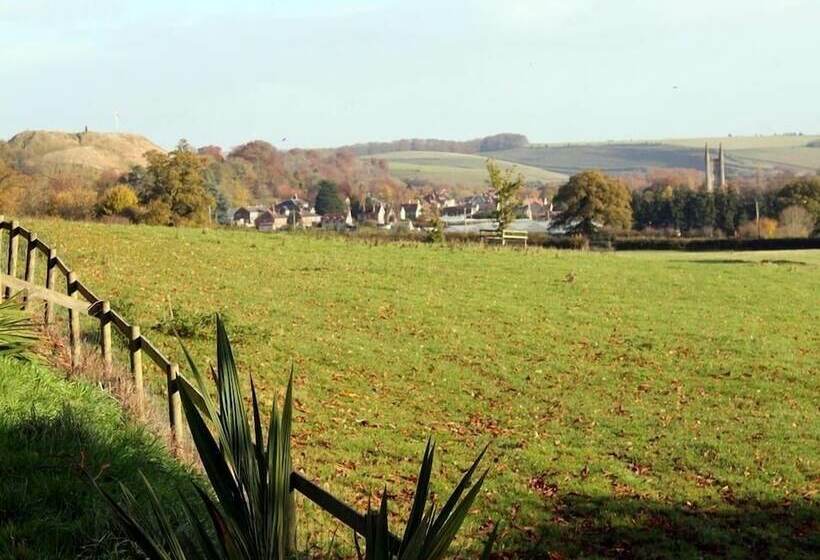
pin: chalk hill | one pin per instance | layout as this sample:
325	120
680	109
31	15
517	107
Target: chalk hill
43	150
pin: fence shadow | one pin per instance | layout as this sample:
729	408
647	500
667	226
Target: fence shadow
625	527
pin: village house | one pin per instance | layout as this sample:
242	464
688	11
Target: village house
271	221
294	204
247	215
376	214
411	211
337	222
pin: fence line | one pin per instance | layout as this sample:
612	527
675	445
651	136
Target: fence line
80	300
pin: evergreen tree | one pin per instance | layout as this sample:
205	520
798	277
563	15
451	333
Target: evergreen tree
328	200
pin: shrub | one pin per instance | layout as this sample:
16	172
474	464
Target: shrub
117	201
795	221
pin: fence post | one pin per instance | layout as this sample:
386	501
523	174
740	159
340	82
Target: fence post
2	289
174	403
105	335
51	264
11	263
73	320
31	254
135	350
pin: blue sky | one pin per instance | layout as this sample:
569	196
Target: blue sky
325	72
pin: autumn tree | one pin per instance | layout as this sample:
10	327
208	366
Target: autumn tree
796	221
505	185
328	200
592	200
804	192
173	185
117	201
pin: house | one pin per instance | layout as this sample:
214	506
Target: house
337	222
310	218
460	211
376	214
291	205
410	211
246	215
271	221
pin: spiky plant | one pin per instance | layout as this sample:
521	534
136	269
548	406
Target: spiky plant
250	505
429	532
17	334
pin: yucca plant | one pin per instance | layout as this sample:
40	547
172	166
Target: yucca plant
429	532
17	334
251	507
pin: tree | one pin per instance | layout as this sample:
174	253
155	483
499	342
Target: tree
804	192
505	185
328	200
175	181
592	200
795	221
117	200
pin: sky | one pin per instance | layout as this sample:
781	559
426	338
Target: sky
320	73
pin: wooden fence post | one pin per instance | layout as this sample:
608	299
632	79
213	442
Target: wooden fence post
135	350
11	263
174	404
105	335
73	320
51	264
2	289
31	254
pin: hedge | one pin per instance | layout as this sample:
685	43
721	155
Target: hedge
728	244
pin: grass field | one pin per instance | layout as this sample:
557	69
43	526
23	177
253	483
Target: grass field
637	405
50	431
745	154
456	169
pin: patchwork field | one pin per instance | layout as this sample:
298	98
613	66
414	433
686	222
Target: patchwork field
457	169
637	405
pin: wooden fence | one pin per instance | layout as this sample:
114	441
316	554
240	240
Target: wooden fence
80	300
502	237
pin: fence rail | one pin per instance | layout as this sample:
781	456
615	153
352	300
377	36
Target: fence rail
504	236
80	300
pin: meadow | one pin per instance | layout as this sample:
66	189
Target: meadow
636	404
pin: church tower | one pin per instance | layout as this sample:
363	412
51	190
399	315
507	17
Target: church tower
715	169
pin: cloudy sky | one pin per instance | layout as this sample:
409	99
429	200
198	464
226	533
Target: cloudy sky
329	72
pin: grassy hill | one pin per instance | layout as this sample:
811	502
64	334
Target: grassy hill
50	430
744	154
48	151
648	405
456	169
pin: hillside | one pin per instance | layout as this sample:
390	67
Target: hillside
456	169
745	155
41	151
648	405
51	429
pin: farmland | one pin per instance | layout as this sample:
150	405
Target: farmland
456	169
641	404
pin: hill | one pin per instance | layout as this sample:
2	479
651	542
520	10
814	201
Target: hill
41	151
650	405
503	141
455	169
745	155
51	429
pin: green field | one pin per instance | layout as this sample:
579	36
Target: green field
637	404
456	169
745	154
51	430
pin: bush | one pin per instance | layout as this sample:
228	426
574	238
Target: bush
688	244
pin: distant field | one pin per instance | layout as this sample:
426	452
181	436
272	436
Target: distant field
744	154
613	158
648	405
458	169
